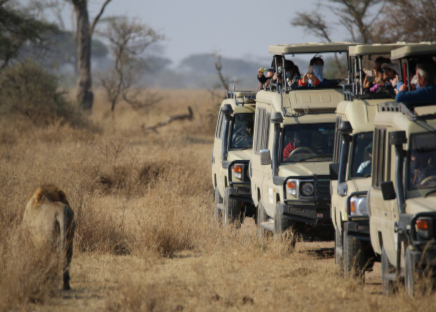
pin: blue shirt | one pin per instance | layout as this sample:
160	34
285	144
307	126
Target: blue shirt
425	95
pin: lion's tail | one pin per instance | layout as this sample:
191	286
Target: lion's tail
67	228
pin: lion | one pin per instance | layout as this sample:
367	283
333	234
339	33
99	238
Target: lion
50	219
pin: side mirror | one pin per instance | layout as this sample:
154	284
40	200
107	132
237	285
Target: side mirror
345	127
388	190
265	157
334	171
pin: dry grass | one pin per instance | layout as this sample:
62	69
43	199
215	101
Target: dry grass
145	236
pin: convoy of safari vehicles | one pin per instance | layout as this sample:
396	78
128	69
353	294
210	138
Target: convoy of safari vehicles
351	167
353	175
292	149
402	196
231	155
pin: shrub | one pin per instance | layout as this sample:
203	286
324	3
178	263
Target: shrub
29	91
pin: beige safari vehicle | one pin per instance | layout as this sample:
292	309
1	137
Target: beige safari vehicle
293	146
351	167
231	155
402	197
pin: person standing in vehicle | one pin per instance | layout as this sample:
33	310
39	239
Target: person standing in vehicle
315	75
426	75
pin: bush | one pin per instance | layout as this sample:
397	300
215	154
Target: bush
29	91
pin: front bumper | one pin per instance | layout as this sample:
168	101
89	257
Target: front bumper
359	230
314	213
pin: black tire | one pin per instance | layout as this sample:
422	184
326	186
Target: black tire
218	214
261	217
282	224
354	251
232	213
409	274
386	268
339	259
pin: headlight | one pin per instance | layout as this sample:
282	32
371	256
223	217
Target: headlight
307	189
358	206
291	187
237	169
422	226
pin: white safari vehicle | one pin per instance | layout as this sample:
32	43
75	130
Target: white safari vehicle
292	148
230	157
402	197
351	167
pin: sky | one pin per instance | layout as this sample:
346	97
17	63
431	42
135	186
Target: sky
233	28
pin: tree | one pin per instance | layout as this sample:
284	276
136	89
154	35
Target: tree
354	15
84	33
17	29
409	20
128	42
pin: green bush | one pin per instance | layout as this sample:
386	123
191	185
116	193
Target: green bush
26	89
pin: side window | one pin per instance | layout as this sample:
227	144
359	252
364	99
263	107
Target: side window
337	141
259	125
379	157
265	130
219	126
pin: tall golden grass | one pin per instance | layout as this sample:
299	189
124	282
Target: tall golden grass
143	205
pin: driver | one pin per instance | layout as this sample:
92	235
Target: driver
292	145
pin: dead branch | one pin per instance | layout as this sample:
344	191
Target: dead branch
98	16
188	116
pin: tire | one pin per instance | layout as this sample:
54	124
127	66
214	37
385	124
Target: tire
386	267
409	274
231	210
218	213
354	251
339	259
282	224
261	217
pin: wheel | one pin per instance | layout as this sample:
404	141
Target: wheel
409	274
281	224
261	217
218	213
231	210
354	256
339	251
386	268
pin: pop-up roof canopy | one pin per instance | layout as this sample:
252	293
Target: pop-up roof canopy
423	48
311	47
377	48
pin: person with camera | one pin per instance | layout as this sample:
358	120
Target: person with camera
315	75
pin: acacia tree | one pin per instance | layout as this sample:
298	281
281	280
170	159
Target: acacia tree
129	40
355	15
17	28
84	33
409	20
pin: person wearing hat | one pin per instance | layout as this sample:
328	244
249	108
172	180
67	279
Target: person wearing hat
426	75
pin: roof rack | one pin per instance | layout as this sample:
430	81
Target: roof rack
402	108
241	97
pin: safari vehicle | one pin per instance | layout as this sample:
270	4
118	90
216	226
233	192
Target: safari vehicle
351	167
292	190
402	197
230	157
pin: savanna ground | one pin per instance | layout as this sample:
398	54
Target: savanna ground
145	237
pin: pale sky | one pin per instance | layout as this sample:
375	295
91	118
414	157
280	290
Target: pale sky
233	28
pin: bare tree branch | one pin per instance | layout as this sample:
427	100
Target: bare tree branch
94	23
188	116
219	67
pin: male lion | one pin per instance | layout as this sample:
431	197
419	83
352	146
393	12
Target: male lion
50	219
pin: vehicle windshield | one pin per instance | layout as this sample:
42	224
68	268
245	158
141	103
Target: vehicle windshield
242	131
421	161
304	142
361	155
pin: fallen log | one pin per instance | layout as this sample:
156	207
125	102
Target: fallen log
188	116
